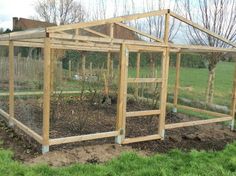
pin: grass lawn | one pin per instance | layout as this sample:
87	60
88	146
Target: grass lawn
173	163
193	82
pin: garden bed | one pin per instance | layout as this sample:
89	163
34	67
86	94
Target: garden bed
75	117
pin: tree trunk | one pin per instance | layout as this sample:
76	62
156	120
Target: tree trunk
210	86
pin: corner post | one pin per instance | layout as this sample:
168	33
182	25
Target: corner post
122	94
176	90
46	95
11	83
233	104
165	72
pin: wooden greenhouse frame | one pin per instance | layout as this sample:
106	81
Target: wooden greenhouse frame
68	37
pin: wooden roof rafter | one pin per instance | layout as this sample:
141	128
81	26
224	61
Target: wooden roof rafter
140	32
106	21
203	29
28	34
96	33
60	35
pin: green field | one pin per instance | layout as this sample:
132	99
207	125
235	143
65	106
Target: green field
193	82
173	163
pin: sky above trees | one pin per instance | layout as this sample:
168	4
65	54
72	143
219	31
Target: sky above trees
25	9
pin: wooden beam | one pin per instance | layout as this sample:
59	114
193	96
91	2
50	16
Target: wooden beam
4	43
233	103
144	80
177	77
122	93
47	93
5	114
200	49
197	122
104	40
69	70
27	130
147	48
140	32
52	69
28	34
108	63
167	28
111	20
85	48
143	113
217	114
34	93
96	33
21	126
164	73
197	26
83	64
83	138
141	139
112	30
11	82
4	37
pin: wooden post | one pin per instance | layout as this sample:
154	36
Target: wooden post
83	64
19	55
46	95
176	90
122	94
152	69
70	74
11	82
91	68
52	69
165	71
137	72
112	31
60	68
112	68
233	104
108	64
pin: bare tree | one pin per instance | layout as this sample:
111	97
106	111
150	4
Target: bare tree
60	11
218	16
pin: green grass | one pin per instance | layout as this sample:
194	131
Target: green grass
177	163
193	82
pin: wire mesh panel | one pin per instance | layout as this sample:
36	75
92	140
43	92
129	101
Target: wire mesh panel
144	88
4	83
28	90
85	101
194	83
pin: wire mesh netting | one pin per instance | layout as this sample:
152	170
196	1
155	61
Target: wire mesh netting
143	96
4	84
85	100
28	89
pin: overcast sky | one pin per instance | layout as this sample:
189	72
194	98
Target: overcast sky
25	8
14	8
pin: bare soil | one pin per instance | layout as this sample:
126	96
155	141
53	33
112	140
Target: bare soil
100	118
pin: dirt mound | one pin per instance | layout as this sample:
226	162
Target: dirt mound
88	154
